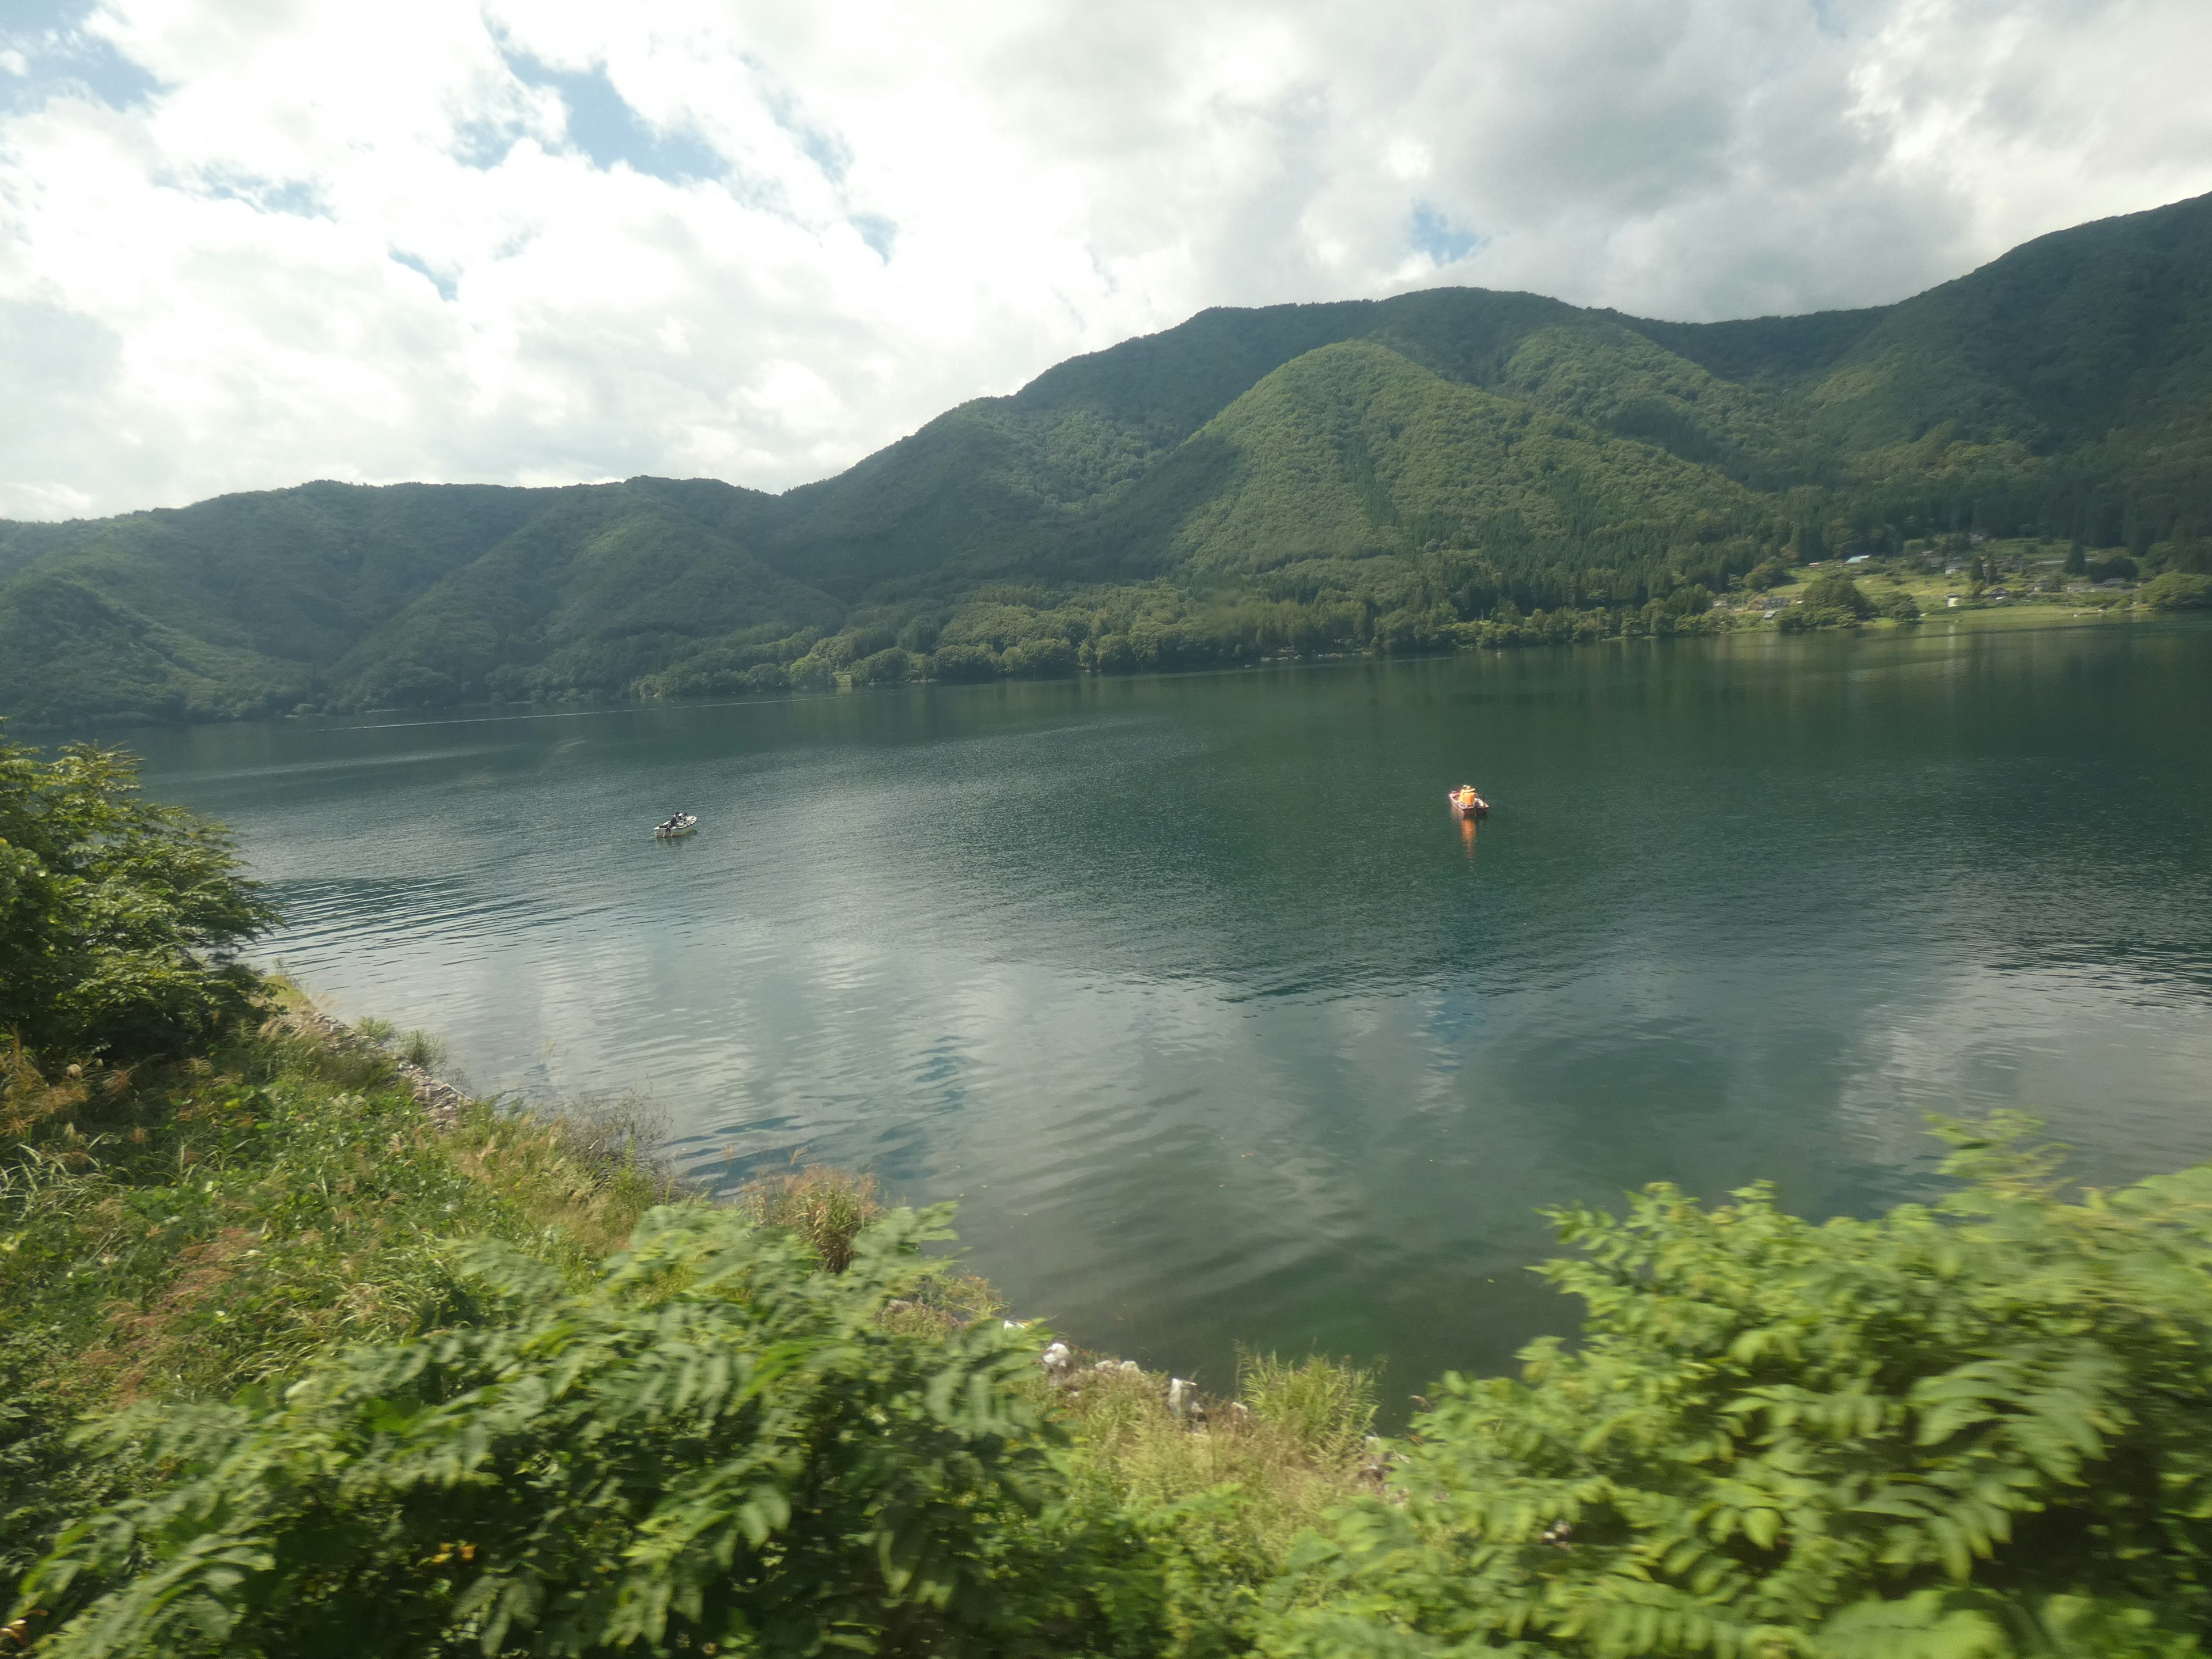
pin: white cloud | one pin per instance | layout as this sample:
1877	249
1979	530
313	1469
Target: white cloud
242	245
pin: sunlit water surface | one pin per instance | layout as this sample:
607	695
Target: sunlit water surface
1221	1028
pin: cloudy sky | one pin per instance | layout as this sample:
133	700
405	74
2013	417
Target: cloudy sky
248	242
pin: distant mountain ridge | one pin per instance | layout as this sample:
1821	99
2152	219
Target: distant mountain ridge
1360	473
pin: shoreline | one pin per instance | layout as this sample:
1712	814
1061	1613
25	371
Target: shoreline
2024	615
1066	1367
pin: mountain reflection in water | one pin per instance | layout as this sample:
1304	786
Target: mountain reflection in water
1219	1034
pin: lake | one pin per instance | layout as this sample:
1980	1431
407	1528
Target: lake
1221	1028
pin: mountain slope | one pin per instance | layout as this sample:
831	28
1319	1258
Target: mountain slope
1289	477
2055	344
1352	450
224	608
588	594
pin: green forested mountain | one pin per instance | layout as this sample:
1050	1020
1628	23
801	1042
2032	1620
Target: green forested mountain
1364	474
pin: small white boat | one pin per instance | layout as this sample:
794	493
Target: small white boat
676	828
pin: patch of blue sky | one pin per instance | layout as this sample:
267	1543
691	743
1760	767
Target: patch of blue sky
484	144
296	197
46	53
877	232
820	148
829	152
1436	236
23	18
446	287
604	127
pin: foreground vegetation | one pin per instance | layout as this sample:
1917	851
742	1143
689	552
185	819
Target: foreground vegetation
288	1366
1442	469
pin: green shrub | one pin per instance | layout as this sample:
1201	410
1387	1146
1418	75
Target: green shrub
886	667
1835	593
1037	658
180	1229
2177	590
958	663
1974	1430
712	1444
1799	619
1899	606
117	917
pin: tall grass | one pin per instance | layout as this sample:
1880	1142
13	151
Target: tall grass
180	1230
827	1207
188	1228
1223	1494
1325	1408
585	1169
1292	1440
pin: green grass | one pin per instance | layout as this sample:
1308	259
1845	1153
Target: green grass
1225	1494
2026	606
1292	1442
825	1207
180	1230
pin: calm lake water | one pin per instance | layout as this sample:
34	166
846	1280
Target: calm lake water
1221	1028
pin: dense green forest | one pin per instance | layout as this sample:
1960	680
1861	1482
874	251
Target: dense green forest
1446	467
290	1366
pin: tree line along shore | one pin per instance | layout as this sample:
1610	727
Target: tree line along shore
1017	641
299	1354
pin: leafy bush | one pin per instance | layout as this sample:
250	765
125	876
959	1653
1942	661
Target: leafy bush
180	1229
1835	593
712	1444
885	667
958	663
2177	590
1899	606
1039	659
117	917
1978	1430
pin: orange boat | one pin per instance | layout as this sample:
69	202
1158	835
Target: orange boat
1468	805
